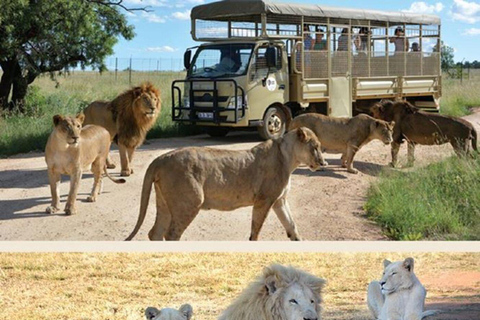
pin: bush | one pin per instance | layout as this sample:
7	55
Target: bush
439	202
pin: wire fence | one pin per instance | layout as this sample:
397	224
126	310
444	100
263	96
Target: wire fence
139	64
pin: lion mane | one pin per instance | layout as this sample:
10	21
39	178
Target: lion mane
132	127
257	301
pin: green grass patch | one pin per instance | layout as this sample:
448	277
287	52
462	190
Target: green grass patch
459	97
438	202
20	133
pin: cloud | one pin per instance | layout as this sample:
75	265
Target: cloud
181	15
465	11
161	49
472	32
152	17
424	8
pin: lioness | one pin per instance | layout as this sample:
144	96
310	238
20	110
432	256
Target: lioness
189	179
418	127
184	313
399	295
127	118
71	149
345	135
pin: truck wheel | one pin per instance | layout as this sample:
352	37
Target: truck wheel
217	132
274	123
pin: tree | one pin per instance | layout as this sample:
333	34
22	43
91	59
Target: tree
446	56
46	36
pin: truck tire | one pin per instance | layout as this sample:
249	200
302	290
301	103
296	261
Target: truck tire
274	124
217	132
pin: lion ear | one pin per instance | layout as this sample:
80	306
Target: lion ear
408	264
271	284
272	278
386	263
56	119
186	310
151	313
302	135
391	124
81	117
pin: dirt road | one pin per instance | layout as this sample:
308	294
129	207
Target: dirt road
326	205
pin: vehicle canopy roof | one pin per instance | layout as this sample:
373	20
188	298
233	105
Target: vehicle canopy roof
251	10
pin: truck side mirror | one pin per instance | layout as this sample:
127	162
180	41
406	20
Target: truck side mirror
271	56
187	57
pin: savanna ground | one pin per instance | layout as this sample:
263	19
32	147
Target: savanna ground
120	286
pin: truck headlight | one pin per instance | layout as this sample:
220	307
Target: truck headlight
231	105
186	102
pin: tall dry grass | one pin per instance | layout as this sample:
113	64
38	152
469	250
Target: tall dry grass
113	286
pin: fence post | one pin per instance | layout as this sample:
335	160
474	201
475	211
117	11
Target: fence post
130	72
116	68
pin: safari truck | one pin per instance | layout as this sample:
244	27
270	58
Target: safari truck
262	63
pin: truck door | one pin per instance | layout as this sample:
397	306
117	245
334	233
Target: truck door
340	86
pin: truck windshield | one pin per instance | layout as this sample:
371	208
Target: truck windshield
226	60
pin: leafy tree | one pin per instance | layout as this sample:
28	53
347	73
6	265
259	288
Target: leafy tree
46	36
446	56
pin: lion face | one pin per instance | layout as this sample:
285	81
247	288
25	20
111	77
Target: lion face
383	131
184	313
397	275
310	149
147	104
69	127
300	303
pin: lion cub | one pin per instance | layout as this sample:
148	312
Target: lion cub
184	313
399	295
71	149
345	135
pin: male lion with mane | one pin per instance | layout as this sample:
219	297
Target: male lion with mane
127	118
399	295
71	149
419	127
189	179
184	313
280	293
345	135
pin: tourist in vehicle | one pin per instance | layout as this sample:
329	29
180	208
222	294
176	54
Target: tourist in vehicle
343	40
320	42
400	42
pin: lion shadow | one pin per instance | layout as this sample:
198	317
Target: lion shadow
335	169
12	209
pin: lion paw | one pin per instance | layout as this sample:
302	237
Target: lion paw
70	211
111	165
352	170
51	209
91	199
125	173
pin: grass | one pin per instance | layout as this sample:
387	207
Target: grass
438	202
21	133
120	285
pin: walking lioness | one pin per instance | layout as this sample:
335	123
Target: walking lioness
71	149
187	180
399	295
345	135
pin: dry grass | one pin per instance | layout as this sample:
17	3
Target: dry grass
120	286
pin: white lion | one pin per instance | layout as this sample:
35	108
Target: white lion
184	313
280	293
399	295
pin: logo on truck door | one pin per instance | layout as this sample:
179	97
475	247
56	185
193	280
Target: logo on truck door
271	84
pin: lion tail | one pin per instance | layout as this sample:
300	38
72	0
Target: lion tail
111	178
429	313
146	190
474	139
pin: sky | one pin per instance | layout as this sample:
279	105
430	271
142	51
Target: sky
164	33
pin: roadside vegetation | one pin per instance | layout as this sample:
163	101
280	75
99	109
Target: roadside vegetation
437	202
20	133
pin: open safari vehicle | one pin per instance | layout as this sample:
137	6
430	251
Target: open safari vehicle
263	62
